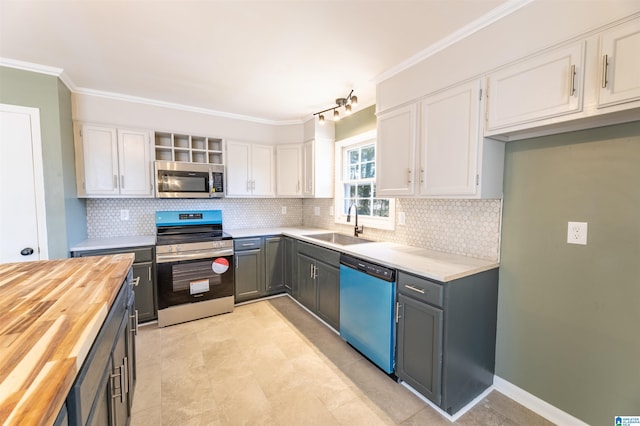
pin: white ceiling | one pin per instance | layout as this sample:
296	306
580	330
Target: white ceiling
274	61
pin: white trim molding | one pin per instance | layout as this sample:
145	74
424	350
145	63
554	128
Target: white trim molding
535	404
494	15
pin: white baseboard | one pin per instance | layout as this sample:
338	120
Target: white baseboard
459	413
535	404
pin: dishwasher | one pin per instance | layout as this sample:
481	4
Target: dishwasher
367	310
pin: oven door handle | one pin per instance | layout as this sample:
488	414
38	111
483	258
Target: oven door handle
178	257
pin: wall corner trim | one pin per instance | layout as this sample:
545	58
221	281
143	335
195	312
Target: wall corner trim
535	404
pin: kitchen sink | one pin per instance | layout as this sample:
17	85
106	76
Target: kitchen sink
341	239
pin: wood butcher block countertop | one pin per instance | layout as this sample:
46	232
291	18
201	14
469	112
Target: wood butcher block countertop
51	314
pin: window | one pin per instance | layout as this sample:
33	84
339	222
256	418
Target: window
356	183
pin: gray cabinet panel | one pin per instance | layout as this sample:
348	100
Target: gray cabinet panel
248	274
290	248
328	282
145	301
306	281
419	357
274	254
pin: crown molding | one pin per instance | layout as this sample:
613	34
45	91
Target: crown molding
494	15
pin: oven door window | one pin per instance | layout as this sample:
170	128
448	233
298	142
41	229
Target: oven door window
196	277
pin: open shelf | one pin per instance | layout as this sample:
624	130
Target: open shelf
188	148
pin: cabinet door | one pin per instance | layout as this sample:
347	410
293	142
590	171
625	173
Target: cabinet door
248	274
274	264
262	171
119	397
289	170
419	357
290	265
449	141
546	86
396	152
134	163
328	282
308	169
145	304
101	413
237	171
620	64
100	155
131	331
306	281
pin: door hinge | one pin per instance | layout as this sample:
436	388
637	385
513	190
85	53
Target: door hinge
480	97
477	180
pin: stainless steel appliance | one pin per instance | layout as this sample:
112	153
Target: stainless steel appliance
367	310
176	179
195	274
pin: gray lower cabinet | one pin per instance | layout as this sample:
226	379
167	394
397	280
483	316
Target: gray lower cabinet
274	257
318	283
260	267
102	392
143	273
446	336
290	265
249	274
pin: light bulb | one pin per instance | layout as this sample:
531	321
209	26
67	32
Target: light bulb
321	119
347	109
354	100
336	115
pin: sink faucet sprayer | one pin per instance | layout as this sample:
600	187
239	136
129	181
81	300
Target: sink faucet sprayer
356	230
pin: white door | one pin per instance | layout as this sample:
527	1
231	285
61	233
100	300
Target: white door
263	173
23	231
289	170
134	163
308	169
449	141
100	147
238	174
396	152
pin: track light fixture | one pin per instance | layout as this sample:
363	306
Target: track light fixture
350	101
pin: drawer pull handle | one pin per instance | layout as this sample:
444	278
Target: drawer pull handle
135	281
247	244
416	289
605	65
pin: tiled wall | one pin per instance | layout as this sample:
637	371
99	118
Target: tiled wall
467	227
103	215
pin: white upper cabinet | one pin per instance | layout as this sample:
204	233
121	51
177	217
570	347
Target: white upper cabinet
289	170
449	159
544	86
396	152
620	65
317	168
250	170
113	162
449	136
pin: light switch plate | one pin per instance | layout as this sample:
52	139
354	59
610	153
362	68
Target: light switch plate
402	218
577	233
316	211
284	209
124	214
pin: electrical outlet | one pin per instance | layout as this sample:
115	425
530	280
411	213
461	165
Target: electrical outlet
284	209
402	219
331	211
316	211
577	233
124	214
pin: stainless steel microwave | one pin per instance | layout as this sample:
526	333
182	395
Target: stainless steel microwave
175	179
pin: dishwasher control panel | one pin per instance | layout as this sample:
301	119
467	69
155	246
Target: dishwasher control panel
369	268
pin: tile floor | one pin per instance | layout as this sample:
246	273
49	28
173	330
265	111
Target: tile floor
272	363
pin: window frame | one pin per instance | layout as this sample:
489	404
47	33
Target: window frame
341	170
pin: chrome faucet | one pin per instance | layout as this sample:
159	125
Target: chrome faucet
356	230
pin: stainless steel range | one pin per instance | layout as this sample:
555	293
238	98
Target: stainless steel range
195	274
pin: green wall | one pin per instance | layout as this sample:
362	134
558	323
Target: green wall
357	123
66	214
569	315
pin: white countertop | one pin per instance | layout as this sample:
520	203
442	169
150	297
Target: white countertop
432	264
116	242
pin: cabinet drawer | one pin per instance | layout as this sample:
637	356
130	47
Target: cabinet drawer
247	244
319	253
420	288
